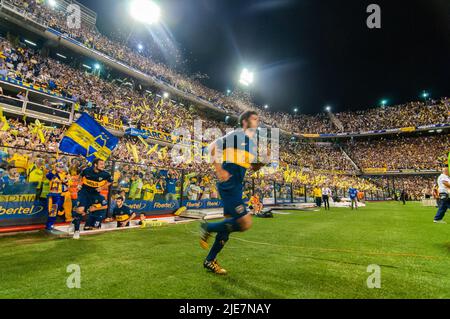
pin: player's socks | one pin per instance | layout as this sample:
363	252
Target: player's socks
76	224
221	239
228	225
204	236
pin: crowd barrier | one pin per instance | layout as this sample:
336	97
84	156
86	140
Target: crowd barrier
148	190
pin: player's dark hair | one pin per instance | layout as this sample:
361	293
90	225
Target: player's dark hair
245	117
96	161
119	198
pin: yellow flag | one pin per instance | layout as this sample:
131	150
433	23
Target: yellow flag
143	141
153	150
135	153
129	148
40	133
5	126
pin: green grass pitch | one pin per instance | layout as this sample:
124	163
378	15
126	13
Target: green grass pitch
301	255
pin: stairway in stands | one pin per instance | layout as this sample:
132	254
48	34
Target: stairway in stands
350	159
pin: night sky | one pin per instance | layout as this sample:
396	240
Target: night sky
307	53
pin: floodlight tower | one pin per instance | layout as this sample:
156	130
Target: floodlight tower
247	78
144	11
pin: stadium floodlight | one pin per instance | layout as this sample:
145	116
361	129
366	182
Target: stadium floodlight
328	108
166	95
247	77
228	91
30	43
145	11
140	47
266	106
384	102
295	110
97	66
425	94
52	3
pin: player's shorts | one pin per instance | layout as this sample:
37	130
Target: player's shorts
231	195
352	198
87	199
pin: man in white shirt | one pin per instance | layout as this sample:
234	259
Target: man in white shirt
444	191
326	195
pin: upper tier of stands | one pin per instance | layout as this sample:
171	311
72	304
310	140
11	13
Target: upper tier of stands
411	115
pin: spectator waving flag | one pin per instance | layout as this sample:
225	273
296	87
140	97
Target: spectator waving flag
88	138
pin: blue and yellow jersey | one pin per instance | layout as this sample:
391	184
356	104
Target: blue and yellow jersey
58	182
239	153
238	149
122	214
92	180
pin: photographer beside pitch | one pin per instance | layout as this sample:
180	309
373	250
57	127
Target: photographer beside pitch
444	200
232	155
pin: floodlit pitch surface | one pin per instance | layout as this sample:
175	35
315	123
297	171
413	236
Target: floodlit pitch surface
301	255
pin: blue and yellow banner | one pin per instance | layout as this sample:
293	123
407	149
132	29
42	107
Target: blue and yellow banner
202	204
88	138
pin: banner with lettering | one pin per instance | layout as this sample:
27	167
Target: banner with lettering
141	206
21	210
203	204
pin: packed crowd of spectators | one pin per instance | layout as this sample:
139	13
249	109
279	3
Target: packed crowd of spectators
408	115
22	151
316	156
118	102
411	114
127	105
416	187
147	178
400	152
